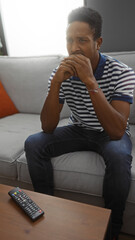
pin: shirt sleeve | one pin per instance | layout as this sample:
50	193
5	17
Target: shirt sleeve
61	93
124	88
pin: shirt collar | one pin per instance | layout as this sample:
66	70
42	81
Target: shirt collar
100	68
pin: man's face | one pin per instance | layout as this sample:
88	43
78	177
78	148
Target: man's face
80	40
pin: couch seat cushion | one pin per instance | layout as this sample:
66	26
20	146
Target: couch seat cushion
13	132
81	172
76	172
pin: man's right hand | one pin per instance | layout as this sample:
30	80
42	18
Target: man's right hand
64	72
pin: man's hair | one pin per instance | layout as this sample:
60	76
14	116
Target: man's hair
90	16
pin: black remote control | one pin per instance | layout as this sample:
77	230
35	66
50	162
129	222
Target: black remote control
26	203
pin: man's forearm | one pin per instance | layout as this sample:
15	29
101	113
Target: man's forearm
51	110
113	117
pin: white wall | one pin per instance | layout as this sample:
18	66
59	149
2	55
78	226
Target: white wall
36	27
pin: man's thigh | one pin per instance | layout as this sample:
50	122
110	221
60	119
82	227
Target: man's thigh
63	140
67	139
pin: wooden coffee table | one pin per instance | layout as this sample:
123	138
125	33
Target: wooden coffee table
63	219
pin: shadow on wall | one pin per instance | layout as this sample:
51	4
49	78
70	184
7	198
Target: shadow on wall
118	23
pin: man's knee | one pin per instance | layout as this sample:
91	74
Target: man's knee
117	155
33	142
37	141
29	143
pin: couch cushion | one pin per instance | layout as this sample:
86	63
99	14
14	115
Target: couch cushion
132	111
22	169
13	132
26	80
80	172
125	57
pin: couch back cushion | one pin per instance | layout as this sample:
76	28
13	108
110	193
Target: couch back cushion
26	80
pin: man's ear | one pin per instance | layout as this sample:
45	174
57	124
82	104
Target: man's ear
99	42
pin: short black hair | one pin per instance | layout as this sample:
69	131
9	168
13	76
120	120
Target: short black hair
91	16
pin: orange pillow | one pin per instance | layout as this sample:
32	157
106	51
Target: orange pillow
7	107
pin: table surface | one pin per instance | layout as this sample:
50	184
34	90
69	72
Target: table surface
63	219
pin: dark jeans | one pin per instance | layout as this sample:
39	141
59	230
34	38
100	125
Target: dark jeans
41	147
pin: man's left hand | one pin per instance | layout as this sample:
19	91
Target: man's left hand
82	65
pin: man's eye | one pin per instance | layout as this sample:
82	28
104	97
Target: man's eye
82	40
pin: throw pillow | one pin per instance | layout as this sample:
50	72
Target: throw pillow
7	106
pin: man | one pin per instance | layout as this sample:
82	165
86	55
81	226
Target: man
98	90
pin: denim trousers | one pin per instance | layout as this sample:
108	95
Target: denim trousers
41	147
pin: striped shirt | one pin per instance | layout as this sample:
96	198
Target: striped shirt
117	82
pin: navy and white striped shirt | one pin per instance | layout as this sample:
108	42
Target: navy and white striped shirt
117	82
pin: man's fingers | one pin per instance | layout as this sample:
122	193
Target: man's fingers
77	58
69	66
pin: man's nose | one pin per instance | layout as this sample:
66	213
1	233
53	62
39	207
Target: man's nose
75	47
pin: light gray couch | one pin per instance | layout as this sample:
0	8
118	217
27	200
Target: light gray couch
77	176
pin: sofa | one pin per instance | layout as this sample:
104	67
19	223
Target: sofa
77	176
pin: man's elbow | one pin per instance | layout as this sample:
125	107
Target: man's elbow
117	135
47	129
